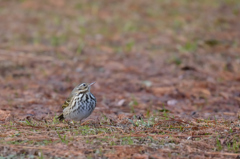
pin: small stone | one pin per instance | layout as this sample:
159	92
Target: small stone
172	102
121	102
189	137
147	83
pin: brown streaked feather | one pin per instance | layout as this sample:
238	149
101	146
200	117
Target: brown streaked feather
66	103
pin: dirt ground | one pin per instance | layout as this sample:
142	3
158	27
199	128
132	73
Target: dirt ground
167	78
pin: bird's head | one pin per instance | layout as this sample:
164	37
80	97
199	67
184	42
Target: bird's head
82	88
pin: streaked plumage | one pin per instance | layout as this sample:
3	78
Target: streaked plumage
80	104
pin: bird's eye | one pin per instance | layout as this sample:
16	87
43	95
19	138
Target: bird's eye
84	85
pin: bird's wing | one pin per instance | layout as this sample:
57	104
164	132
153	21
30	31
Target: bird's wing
65	105
69	99
67	102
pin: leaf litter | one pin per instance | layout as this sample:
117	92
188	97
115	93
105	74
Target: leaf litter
167	78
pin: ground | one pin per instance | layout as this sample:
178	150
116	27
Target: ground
167	78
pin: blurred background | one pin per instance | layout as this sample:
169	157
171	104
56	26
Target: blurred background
145	56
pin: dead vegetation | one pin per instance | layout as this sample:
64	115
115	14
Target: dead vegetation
167	78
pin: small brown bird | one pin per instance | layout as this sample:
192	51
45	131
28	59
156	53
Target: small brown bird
80	104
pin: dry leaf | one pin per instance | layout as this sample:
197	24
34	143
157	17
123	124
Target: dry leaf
4	115
162	90
115	66
202	91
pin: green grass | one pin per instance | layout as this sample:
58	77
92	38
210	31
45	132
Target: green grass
156	130
45	46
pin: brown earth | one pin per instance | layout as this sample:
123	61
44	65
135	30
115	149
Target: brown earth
167	78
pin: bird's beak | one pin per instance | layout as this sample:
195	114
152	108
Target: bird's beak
91	84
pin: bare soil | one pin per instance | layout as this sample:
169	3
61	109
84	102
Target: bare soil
167	78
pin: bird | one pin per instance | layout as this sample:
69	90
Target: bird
80	103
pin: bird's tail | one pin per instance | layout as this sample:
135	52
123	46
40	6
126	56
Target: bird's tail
60	117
